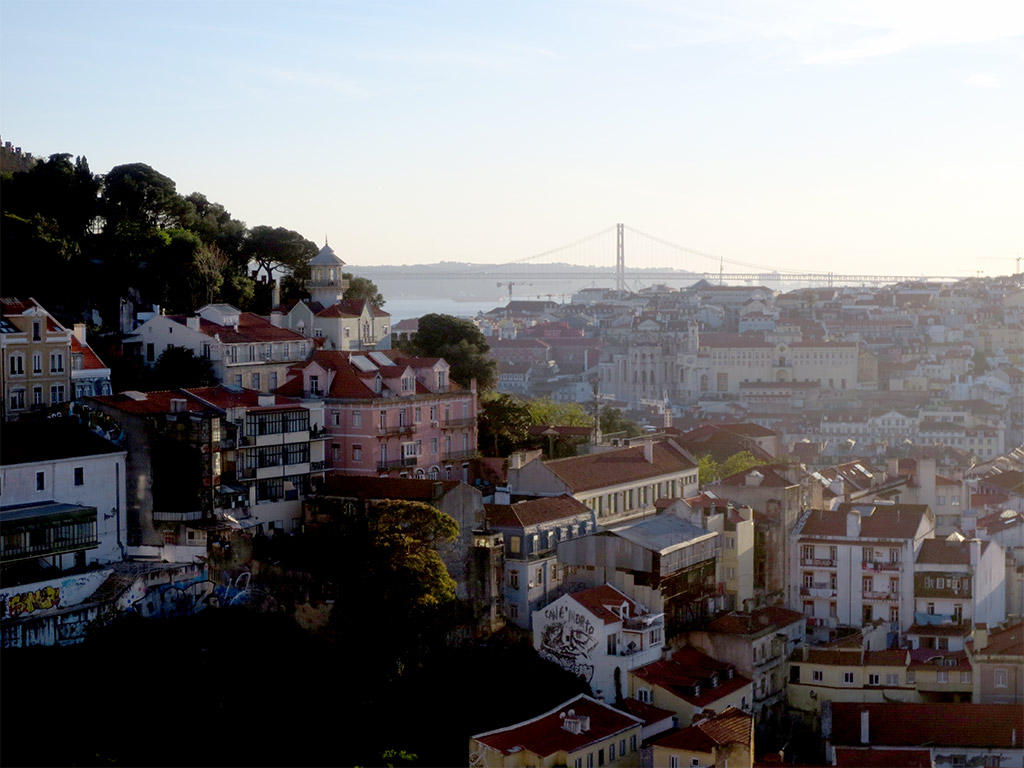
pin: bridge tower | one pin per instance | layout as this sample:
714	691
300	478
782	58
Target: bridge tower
620	259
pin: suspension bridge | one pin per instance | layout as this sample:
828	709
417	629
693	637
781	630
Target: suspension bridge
598	246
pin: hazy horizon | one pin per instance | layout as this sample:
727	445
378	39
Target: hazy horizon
853	137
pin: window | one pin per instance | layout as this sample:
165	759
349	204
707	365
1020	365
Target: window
540	571
314	385
673	761
17	364
357	452
579	762
513	579
36	330
817	676
37	363
622	746
417	415
848	678
513	611
600	757
958	761
910	676
1000	678
590	760
37	396
18	398
643	695
273	380
930	609
874	679
255	381
79	476
611	752
357	418
238	380
632	743
867	584
808	580
892	679
56	362
56	394
965	675
41	486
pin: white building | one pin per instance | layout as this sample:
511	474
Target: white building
62	488
957	583
854	565
599	634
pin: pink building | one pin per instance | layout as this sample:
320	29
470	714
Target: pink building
389	414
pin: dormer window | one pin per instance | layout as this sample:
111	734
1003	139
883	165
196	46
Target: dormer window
442	379
314	385
408	384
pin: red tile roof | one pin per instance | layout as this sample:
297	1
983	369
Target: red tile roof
1008	641
733	726
599	470
597	599
252	329
934	724
151	403
545	735
90	360
885	521
231	397
689	667
767	619
649	713
945	552
535	511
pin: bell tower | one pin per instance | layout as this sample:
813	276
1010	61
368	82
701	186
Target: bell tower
326	284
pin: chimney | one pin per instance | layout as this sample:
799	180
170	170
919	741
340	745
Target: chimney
79	332
277	319
502	495
980	637
192	323
265	401
864	727
179	405
753	479
275	294
853	523
975	545
649	451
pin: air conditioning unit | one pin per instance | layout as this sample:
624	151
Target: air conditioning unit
435	424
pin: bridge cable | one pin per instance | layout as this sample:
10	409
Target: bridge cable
749	265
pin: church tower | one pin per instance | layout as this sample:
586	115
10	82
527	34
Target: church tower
326	284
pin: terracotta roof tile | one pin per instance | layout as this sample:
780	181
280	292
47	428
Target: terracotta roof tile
689	667
90	360
766	619
598	470
733	726
545	735
535	511
597	599
934	724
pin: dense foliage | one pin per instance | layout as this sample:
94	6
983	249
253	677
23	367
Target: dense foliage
460	343
130	236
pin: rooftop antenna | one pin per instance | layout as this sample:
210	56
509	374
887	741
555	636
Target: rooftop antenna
721	269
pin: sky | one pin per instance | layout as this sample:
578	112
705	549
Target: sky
858	137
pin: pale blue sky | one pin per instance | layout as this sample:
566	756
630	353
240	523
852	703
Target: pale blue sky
850	136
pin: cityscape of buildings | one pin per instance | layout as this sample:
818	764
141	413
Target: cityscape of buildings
861	577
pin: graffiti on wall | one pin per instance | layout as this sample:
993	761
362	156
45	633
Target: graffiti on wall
30	602
568	639
26	600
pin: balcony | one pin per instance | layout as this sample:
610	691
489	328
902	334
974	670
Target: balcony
817	562
886	596
406	461
818	589
460	455
44	530
887	565
398	429
318	434
457	423
177	517
317	466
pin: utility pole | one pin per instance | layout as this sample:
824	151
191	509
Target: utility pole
620	258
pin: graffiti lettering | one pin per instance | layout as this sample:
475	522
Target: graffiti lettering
568	640
29	602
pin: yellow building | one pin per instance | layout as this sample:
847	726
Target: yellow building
36	352
847	675
725	739
581	733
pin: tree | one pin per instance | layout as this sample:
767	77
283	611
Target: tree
278	249
544	411
141	195
179	368
460	343
614	422
503	422
710	470
363	288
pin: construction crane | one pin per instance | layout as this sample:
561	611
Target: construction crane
510	283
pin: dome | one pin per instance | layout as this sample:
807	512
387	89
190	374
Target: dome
326	258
